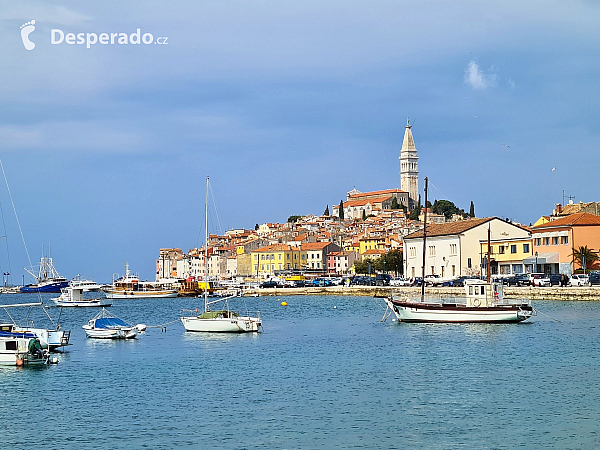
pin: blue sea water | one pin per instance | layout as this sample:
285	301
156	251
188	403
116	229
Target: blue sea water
317	377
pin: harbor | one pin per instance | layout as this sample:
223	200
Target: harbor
324	373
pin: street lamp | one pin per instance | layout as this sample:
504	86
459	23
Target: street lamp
536	256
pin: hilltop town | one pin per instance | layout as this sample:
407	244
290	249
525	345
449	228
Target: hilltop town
382	231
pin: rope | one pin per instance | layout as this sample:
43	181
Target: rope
163	326
551	318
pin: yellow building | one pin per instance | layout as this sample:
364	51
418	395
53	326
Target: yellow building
276	257
370	243
507	255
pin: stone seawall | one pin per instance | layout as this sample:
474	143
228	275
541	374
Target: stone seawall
533	293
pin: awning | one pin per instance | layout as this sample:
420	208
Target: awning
543	258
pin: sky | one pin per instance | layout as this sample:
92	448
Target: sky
286	106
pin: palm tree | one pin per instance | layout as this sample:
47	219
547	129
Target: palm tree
584	255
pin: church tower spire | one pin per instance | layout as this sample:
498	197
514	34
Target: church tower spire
409	171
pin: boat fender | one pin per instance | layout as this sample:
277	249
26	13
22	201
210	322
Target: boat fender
477	302
19	360
141	327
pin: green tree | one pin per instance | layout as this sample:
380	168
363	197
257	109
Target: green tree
256	227
395	204
394	261
341	210
415	213
584	256
364	215
326	213
362	266
447	208
293	219
472	209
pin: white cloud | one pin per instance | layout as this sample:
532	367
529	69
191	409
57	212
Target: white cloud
475	77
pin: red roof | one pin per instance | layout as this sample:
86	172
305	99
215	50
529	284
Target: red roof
572	220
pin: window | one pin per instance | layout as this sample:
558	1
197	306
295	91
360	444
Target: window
525	248
501	249
279	256
546	241
513	248
555	240
453	270
262	257
453	249
564	240
469	263
538	241
432	250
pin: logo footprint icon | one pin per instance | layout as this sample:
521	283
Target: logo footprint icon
26	30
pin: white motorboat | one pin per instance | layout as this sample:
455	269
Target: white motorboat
51	339
106	326
74	296
218	321
22	351
130	286
86	285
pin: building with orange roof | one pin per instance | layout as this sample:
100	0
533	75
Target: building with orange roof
453	249
273	258
316	254
554	241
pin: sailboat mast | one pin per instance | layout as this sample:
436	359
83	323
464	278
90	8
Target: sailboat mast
206	249
424	243
488	255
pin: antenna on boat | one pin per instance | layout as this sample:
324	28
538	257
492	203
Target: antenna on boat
424	242
488	254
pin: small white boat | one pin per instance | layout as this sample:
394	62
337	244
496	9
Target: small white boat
73	296
22	351
106	326
51	339
218	321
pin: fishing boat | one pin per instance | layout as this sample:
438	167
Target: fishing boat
106	326
130	286
86	285
50	338
47	280
22	351
484	301
219	320
74	297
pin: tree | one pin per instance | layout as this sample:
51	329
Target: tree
395	204
256	227
364	215
415	213
362	266
472	209
341	210
326	213
584	255
293	219
447	208
394	260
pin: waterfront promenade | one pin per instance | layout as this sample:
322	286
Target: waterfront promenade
591	293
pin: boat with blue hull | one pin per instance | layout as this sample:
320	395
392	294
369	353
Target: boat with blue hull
47	280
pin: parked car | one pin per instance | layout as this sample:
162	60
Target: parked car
399	281
594	278
511	281
540	279
269	284
524	279
382	279
360	280
299	283
432	280
555	279
579	280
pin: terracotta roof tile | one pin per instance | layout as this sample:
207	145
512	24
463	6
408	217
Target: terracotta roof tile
572	220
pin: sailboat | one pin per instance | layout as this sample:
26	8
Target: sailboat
218	320
484	301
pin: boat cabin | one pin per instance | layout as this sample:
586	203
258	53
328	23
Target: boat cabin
482	293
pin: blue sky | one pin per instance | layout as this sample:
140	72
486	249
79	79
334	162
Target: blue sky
286	106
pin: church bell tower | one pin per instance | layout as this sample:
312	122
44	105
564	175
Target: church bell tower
409	171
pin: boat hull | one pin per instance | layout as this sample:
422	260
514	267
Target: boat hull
81	303
456	313
222	325
118	294
46	287
110	333
15	352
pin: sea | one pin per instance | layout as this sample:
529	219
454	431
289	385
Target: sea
325	373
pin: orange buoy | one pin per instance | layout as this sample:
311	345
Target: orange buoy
19	361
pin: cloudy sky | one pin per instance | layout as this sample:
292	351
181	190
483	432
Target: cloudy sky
286	106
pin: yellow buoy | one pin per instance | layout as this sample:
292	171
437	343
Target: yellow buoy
283	303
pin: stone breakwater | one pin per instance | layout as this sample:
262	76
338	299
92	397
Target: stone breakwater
525	292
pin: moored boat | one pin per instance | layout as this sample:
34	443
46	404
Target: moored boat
74	297
130	286
22	351
106	326
47	279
